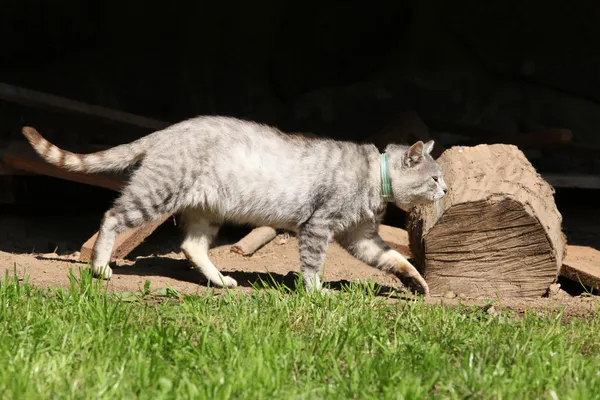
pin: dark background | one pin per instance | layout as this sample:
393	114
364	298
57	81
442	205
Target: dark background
342	69
337	68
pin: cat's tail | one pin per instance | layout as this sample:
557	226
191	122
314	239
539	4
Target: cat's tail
114	159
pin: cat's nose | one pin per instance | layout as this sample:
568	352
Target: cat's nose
445	190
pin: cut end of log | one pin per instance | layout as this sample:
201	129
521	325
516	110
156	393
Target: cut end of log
497	233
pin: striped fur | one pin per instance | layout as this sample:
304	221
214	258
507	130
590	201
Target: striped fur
216	169
114	159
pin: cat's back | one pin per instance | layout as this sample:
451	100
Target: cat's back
251	148
217	131
229	135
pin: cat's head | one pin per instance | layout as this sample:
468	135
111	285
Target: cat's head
415	176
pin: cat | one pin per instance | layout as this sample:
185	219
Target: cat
214	169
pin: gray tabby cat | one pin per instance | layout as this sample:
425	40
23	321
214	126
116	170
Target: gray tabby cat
214	169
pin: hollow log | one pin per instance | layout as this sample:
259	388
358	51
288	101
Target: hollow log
497	232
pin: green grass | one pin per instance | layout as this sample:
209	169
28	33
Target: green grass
83	342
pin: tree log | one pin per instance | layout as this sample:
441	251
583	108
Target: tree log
497	232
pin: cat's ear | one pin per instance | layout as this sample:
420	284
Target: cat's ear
429	146
414	154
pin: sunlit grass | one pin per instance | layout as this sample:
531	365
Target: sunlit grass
84	342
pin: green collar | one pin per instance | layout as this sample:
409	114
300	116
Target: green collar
386	185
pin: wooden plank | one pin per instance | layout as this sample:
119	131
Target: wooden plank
580	181
125	242
33	98
582	264
21	156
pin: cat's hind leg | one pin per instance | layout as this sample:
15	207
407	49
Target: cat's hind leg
146	198
199	234
115	221
111	225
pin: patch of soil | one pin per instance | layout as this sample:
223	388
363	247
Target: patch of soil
44	247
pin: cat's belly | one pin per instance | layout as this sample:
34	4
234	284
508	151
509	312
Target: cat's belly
260	219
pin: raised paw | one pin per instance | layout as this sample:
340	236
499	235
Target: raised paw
102	272
411	277
424	288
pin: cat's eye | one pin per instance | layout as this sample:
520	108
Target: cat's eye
435	178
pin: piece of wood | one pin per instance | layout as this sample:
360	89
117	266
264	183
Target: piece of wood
406	128
397	238
497	233
33	98
125	242
573	180
582	264
21	156
253	241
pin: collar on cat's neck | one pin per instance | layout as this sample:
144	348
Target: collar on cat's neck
386	185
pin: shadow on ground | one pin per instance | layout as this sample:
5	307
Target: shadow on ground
181	270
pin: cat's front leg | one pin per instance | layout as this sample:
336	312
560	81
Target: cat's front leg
313	241
365	244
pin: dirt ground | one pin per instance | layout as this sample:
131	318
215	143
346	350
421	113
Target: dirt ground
45	246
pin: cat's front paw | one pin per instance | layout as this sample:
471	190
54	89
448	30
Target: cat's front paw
325	291
228	282
104	272
424	288
412	278
319	290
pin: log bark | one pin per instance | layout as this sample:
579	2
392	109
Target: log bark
253	241
496	233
